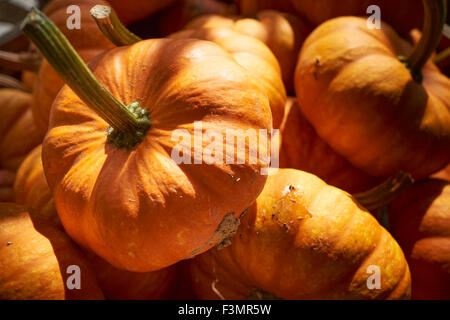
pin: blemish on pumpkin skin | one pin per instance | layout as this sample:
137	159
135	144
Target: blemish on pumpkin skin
317	65
9	243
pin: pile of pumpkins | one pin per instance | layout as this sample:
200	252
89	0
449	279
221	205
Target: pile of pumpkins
358	209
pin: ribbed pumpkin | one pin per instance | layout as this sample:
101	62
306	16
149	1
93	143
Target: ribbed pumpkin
31	189
303	239
301	148
6	185
18	133
117	189
367	105
420	221
134	10
35	260
88	41
283	33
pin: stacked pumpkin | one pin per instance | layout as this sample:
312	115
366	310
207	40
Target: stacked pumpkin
109	194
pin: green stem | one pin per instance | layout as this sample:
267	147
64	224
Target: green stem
110	25
385	193
129	124
10	82
435	15
20	61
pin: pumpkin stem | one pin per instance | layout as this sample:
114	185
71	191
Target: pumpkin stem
30	61
435	13
129	124
110	25
385	193
10	82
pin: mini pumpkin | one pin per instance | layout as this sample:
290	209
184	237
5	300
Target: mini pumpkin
420	221
367	105
301	148
37	261
135	10
87	40
303	239
6	185
162	210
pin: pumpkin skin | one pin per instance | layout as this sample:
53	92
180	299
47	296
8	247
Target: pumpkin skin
6	185
175	18
34	260
161	212
16	124
31	189
443	174
87	41
302	149
303	239
420	221
283	33
135	10
251	54
343	67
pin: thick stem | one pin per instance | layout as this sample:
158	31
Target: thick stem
435	14
129	124
10	82
20	61
442	59
385	193
110	25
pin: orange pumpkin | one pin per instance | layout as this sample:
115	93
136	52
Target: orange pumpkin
36	261
420	221
134	10
283	33
301	148
443	174
163	210
367	105
6	185
18	133
88	41
303	239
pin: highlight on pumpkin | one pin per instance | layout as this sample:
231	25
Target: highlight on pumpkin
225	150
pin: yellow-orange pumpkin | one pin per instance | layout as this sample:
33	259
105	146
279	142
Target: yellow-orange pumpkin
303	239
365	103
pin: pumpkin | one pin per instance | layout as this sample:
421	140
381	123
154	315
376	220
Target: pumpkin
134	10
283	33
301	148
6	185
249	52
420	221
18	134
174	18
36	261
163	209
367	105
31	189
304	239
88	41
248	7
443	174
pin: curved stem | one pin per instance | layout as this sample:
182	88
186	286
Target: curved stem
129	124
110	25
20	61
386	192
10	82
435	14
